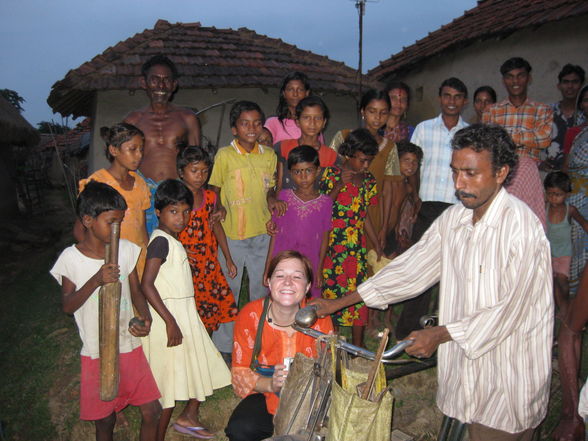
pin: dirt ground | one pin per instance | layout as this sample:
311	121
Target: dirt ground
415	412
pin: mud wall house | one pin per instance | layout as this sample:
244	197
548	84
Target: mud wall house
72	162
15	132
215	65
548	33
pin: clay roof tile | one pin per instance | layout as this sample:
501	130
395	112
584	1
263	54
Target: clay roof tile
490	18
205	57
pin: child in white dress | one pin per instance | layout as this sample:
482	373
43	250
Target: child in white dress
184	361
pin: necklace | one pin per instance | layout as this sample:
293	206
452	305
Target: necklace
270	320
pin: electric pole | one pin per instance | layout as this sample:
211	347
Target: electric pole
360	5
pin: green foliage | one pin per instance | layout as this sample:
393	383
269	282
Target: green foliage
13	98
52	127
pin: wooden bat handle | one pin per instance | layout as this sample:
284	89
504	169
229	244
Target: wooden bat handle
114	241
109	307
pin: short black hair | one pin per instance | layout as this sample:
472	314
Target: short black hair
489	90
581	95
312	101
515	63
398	85
98	197
303	153
192	154
360	140
571	69
374	94
282	109
559	180
117	135
159	60
408	147
172	191
244	106
454	83
490	137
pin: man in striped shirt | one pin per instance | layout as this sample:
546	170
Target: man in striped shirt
529	124
492	259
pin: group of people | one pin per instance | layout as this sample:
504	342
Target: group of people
443	202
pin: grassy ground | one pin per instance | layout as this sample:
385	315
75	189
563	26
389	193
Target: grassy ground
37	341
39	351
34	336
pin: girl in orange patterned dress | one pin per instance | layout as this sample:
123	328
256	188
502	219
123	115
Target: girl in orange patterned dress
214	300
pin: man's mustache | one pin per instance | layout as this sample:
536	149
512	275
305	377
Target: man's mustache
462	194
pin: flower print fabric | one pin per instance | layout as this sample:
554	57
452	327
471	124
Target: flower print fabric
345	265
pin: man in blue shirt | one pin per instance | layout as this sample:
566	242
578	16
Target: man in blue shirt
436	190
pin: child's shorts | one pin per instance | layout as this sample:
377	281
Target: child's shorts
136	386
561	265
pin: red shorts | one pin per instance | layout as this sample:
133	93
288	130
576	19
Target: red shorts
136	386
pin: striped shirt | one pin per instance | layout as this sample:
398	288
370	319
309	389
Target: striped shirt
435	140
496	302
529	124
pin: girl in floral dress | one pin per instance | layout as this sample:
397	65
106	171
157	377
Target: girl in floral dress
353	189
214	299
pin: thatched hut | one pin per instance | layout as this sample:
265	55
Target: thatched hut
15	131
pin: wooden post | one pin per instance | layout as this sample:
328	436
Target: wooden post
109	324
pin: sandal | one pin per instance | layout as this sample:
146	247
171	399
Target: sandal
194	431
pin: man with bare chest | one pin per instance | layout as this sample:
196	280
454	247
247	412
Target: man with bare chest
166	126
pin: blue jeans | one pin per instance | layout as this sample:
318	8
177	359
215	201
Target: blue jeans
246	253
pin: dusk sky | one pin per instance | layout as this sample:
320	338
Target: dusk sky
41	40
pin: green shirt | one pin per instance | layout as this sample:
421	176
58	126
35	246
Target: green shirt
244	179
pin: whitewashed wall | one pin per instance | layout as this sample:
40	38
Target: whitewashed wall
547	48
113	106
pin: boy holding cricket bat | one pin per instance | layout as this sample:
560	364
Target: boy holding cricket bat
81	271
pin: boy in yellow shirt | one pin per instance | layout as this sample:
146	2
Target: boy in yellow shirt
244	175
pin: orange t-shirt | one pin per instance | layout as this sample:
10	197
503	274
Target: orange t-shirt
327	156
275	346
133	225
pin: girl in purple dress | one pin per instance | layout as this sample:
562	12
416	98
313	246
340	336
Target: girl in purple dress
306	224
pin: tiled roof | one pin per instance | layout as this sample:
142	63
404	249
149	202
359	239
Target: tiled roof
490	18
71	140
206	57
